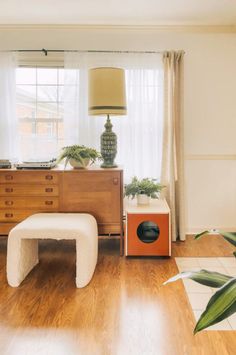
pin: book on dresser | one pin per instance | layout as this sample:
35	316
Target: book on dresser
94	190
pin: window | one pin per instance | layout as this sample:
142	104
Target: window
139	133
52	108
39	93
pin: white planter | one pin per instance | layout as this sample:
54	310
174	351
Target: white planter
143	199
77	165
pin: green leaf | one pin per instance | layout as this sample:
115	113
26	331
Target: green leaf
198	236
79	152
229	236
221	305
204	277
145	186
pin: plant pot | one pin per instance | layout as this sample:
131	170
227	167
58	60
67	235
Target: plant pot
143	199
79	165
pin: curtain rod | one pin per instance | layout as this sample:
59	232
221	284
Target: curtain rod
46	51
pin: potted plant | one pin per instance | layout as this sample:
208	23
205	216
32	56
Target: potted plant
144	189
223	302
79	156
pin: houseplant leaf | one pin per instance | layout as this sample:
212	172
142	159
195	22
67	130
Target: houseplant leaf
197	236
221	305
204	277
230	237
79	155
146	186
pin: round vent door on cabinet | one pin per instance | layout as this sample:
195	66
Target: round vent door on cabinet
148	231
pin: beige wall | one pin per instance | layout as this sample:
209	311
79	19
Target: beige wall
210	105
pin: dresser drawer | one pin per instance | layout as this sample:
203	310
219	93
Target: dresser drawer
20	177
6	227
39	203
28	190
11	216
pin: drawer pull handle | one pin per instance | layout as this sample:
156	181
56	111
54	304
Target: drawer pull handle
9	189
49	189
9	177
48	203
8	215
8	203
49	177
115	181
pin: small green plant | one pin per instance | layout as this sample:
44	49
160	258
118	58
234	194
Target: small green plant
223	303
79	153
145	186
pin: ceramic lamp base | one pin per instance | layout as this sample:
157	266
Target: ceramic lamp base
107	165
108	146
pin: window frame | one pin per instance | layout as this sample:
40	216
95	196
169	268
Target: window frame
38	60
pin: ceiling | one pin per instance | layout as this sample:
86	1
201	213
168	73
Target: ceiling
119	12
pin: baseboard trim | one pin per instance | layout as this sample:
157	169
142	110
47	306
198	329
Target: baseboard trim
196	230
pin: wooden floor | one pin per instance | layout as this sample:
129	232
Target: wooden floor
124	310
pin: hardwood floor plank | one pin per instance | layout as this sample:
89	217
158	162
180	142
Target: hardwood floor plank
125	310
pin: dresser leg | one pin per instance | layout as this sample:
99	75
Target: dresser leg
122	242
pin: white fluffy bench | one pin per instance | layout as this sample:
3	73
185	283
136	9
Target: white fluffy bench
22	248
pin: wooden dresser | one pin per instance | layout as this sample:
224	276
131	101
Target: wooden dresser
94	190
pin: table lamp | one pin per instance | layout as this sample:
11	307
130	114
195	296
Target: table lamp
107	97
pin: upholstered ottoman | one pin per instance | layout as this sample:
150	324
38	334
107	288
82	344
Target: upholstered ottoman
22	248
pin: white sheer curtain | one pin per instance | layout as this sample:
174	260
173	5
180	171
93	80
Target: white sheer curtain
140	132
8	120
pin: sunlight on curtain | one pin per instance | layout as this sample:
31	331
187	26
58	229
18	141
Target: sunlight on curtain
8	120
140	131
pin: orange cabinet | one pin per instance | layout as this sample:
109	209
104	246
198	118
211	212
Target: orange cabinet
148	229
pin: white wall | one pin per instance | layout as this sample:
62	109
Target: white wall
210	105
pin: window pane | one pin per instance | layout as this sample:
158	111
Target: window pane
26	110
60	93
47	93
60	132
27	127
60	110
26	76
38	147
47	76
61	76
47	110
40	112
48	129
26	93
